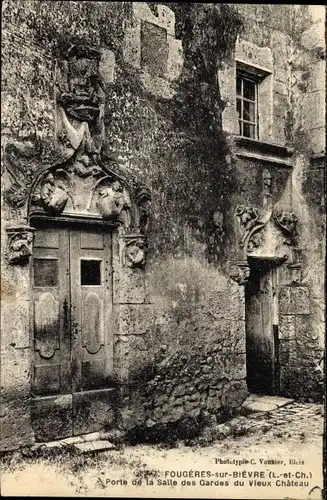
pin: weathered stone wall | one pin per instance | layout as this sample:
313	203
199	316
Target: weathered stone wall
163	125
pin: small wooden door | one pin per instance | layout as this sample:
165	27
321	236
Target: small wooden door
260	318
72	329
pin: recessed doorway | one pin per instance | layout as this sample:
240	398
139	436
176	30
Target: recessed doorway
261	324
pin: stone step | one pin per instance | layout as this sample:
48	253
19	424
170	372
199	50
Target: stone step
262	403
87	439
94	446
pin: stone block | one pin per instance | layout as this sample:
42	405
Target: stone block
155	62
132	46
287	327
164	18
317	76
176	413
129	286
234	394
265	108
227	79
175	59
15	372
316	140
94	446
15	284
254	55
314	110
92	410
15	321
157	85
15	424
236	301
278	129
280	88
307	335
238	336
134	319
234	366
294	300
52	417
287	352
107	66
230	119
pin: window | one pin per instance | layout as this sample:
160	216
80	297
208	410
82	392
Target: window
90	272
247	104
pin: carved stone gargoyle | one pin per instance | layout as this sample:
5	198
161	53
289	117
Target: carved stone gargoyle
135	251
240	272
20	240
113	200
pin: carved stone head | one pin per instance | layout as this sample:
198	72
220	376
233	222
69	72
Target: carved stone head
20	239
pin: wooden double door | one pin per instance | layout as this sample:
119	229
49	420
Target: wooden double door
72	330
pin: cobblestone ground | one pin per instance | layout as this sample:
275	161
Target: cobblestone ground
233	460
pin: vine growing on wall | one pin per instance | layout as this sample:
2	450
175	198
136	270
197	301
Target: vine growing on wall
208	32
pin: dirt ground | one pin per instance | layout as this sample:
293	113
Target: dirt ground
292	437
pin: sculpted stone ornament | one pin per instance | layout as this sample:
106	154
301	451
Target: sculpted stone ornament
247	216
113	200
84	167
135	251
240	272
20	161
249	220
80	100
266	186
287	222
143	197
20	239
54	194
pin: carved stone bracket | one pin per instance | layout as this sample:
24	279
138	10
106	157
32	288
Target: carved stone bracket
20	240
240	272
135	251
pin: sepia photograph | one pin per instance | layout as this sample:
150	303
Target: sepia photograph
163	226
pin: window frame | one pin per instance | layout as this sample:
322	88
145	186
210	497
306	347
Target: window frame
244	75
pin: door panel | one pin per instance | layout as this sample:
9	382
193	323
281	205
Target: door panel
51	322
92	339
91	309
259	329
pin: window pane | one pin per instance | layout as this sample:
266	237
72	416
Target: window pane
45	272
249	89
90	272
239	107
248	111
238	86
249	130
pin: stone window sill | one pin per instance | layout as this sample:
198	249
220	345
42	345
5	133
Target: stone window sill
263	151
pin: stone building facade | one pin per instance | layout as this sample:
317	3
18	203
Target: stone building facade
162	213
